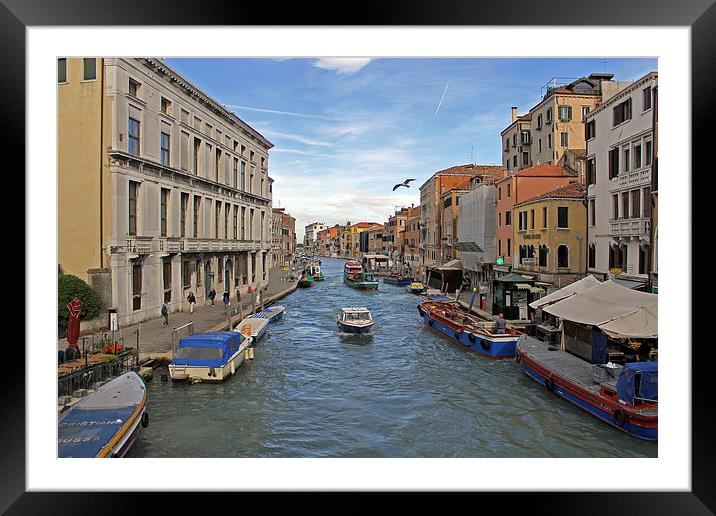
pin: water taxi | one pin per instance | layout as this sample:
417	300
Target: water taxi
470	331
209	357
106	423
415	287
355	320
354	276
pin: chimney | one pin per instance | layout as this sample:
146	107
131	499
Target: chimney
514	113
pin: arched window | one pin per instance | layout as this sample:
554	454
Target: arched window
543	256
562	256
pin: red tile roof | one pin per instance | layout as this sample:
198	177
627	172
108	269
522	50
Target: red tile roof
365	224
544	171
473	170
570	191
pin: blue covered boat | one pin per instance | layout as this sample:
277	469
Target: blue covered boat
209	357
106	423
469	330
396	279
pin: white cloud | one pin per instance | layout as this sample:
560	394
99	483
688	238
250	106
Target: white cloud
342	65
295	137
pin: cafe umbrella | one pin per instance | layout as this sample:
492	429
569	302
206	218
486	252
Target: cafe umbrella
73	325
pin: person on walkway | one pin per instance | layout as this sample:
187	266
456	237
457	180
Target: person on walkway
500	324
212	295
227	302
165	313
192	301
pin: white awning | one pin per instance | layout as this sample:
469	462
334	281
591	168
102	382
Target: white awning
536	290
569	290
522	286
608	304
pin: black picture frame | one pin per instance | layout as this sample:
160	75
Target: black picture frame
700	15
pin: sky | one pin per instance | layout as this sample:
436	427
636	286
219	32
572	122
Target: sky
346	130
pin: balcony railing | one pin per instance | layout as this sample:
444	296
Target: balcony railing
139	245
635	178
631	228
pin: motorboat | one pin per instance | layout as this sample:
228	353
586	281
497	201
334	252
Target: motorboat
354	276
355	320
415	287
209	357
271	313
254	326
107	422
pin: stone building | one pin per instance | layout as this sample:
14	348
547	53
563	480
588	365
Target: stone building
283	238
161	190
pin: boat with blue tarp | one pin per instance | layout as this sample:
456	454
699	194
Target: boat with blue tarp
469	330
106	423
625	397
209	357
397	279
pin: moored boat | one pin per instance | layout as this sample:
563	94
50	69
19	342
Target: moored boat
271	313
470	331
397	279
106	423
354	276
305	281
433	294
209	357
355	320
314	272
627	400
254	326
415	287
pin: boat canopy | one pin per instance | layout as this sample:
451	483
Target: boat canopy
619	311
638	380
354	309
569	290
207	349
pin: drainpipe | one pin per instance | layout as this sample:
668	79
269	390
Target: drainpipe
101	158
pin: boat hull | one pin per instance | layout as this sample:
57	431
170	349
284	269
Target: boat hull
361	285
106	423
603	407
192	373
305	283
497	347
414	290
347	328
399	282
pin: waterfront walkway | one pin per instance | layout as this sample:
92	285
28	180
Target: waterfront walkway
155	338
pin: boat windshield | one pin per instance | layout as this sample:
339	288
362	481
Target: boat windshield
200	353
363	316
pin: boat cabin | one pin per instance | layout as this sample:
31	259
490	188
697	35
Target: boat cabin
208	349
355	314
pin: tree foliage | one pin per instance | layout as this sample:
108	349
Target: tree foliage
69	286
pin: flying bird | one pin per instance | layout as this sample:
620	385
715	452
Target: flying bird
404	183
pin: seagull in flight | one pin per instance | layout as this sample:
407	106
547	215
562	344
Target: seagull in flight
404	183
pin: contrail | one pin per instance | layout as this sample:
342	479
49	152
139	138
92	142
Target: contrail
289	113
441	98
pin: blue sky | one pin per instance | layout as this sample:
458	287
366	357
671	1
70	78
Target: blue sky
346	130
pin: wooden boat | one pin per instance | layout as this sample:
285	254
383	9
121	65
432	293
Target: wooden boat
434	295
271	313
254	326
209	357
469	330
627	400
415	287
355	320
397	279
354	276
106	423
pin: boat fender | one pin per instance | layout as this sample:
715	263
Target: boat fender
619	417
471	337
145	420
233	367
549	384
518	358
457	336
485	345
420	311
430	322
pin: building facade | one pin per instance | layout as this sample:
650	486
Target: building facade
550	235
284	238
310	238
161	190
516	188
517	142
620	156
411	254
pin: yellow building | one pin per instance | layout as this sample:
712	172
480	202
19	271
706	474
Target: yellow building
550	232
161	190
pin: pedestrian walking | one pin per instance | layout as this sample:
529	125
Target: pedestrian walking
192	301
165	313
227	302
212	295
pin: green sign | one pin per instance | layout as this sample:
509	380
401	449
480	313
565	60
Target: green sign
500	260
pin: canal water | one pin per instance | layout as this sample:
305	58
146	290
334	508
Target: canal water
403	391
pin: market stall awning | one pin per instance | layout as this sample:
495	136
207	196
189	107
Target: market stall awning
522	286
608	302
452	265
569	290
